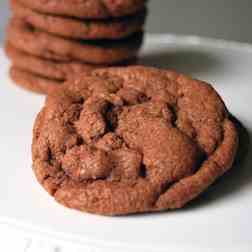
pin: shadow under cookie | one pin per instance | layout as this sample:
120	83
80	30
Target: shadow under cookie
189	61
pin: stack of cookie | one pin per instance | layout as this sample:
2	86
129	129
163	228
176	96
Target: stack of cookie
50	41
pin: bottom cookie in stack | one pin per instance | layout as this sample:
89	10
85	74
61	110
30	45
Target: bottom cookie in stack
42	75
33	82
38	74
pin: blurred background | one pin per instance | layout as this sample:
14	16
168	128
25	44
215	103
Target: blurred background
226	19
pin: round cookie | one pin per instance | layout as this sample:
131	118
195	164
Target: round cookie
42	44
94	9
118	141
33	82
80	29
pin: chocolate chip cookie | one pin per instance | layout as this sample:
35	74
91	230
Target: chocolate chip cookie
118	141
94	9
79	28
26	38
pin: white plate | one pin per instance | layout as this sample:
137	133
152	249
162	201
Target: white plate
218	221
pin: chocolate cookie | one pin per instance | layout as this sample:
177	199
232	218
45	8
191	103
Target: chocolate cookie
80	29
38	43
118	141
46	68
86	9
33	82
47	71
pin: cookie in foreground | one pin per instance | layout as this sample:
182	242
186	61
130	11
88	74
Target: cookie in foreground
119	141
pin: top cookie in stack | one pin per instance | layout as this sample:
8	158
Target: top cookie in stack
49	41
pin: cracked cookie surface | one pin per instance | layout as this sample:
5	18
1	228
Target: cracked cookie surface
119	141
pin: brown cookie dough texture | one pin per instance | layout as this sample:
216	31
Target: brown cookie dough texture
86	8
119	141
42	44
80	28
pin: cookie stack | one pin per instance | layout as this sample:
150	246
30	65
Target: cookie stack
50	41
